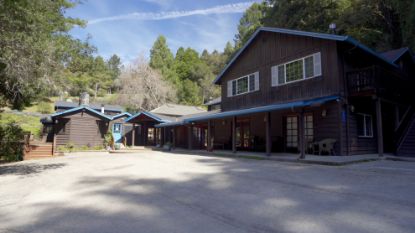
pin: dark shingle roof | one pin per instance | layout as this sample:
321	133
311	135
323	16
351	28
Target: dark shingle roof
214	101
177	110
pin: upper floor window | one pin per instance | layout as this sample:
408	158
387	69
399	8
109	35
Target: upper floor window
300	69
245	84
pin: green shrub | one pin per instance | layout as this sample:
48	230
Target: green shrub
44	107
109	139
11	142
26	122
98	147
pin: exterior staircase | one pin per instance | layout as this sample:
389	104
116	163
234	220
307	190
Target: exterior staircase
39	150
406	147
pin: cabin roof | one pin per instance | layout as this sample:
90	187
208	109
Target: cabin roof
96	106
273	107
81	108
121	115
177	110
325	36
154	116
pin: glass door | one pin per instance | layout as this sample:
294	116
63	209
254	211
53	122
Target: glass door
291	133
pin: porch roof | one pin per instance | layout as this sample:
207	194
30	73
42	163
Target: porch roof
267	108
155	117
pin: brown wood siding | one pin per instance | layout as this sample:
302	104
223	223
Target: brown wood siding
63	131
82	129
271	49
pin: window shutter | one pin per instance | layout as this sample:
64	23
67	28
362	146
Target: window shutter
229	88
317	64
274	76
256	81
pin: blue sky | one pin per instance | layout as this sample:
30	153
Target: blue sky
128	28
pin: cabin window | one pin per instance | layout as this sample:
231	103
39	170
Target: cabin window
297	70
245	84
117	128
242	85
364	125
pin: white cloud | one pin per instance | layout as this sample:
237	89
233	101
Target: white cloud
222	9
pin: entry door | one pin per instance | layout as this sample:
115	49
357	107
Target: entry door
291	133
242	135
117	132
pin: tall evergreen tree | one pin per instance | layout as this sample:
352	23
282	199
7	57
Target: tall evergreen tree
250	21
162	59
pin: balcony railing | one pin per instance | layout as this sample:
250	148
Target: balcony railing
361	80
374	79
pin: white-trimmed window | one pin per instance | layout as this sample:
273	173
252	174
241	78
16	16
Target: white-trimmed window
364	125
242	85
297	70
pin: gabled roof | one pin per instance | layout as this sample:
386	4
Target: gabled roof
394	55
267	108
177	110
325	36
96	106
156	117
80	108
121	115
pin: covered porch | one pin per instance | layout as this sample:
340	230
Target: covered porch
295	128
143	132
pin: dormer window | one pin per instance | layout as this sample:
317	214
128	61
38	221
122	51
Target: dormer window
243	85
297	70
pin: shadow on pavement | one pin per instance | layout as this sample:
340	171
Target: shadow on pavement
28	169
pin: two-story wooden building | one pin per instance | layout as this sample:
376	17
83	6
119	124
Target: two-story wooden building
305	92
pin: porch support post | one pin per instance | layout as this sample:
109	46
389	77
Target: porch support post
233	134
133	136
54	141
174	137
190	137
379	125
164	135
302	135
268	133
209	135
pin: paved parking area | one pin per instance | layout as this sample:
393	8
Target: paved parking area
162	192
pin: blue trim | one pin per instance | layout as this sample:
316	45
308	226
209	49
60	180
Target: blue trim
302	33
81	108
267	108
121	115
147	114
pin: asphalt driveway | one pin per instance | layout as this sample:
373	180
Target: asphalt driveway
161	192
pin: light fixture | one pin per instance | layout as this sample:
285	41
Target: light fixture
324	113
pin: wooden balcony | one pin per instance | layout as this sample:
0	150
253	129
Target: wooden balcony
375	80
